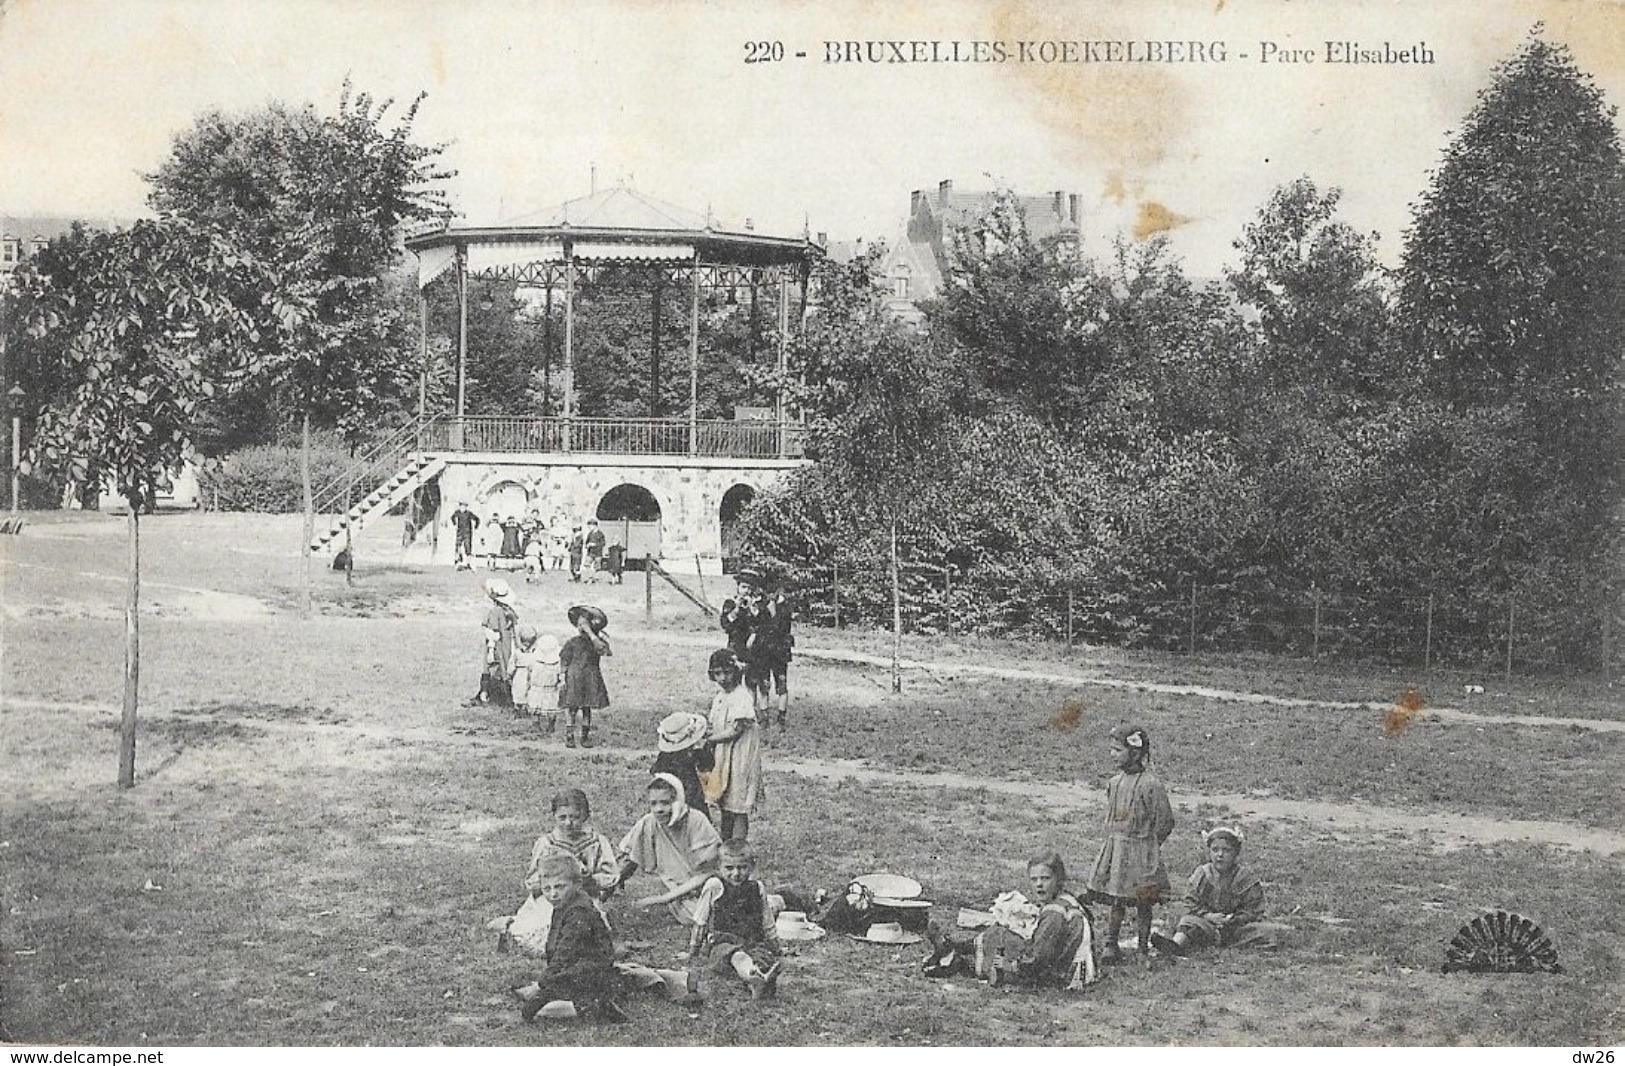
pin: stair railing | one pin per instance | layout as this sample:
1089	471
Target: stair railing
371	467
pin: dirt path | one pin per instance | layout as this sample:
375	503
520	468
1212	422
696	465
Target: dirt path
1441	827
1020	673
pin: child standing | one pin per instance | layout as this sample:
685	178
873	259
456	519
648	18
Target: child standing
736	745
580	951
734	923
1226	902
684	753
491	540
534	666
581	680
1129	871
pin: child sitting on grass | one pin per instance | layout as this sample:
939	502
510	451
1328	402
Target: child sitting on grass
734	923
1226	903
572	835
1060	952
673	843
1129	871
580	951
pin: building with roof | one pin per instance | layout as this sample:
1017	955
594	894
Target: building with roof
24	236
920	256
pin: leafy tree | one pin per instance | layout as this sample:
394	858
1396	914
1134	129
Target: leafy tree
1317	289
1514	269
138	318
320	200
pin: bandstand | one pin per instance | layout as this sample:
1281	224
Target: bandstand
664	486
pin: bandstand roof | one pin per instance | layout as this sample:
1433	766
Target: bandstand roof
615	225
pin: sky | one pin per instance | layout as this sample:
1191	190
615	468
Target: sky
537	100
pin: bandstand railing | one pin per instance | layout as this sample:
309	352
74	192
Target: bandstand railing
714	438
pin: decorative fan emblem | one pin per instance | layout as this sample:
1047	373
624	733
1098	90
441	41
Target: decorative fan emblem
1501	943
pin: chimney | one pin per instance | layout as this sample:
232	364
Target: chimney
823	239
944	190
1059	203
916	200
1077	210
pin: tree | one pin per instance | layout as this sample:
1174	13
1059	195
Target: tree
1317	289
138	317
1512	303
320	200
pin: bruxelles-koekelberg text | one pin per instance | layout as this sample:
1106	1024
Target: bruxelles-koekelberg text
1334	53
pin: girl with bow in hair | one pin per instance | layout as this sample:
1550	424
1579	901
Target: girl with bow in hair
1129	871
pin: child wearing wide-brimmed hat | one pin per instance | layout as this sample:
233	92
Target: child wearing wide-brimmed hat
581	684
735	922
683	753
1129	871
497	629
1226	903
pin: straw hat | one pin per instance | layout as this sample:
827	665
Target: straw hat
793	925
680	731
891	886
888	933
595	618
498	590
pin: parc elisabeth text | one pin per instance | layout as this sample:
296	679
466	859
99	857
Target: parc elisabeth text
867	52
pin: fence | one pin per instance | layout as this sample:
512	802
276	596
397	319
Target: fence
615	436
1437	629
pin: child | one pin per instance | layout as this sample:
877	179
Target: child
673	843
532	670
572	835
497	629
684	753
1129	871
576	545
581	680
533	560
1060	953
491	540
1226	902
736	745
769	654
580	951
734	923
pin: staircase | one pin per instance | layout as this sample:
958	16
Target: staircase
418	471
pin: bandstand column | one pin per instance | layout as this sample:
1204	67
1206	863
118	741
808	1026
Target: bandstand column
462	344
569	339
784	357
694	365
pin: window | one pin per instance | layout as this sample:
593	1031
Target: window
899	288
8	252
36	246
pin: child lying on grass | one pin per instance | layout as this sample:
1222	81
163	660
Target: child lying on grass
1226	903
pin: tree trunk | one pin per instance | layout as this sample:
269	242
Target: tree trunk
310	510
132	655
896	617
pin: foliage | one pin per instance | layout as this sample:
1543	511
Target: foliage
265	477
134	321
320	200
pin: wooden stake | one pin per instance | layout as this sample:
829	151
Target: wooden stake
132	654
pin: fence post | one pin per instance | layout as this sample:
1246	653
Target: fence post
947	608
1511	607
648	586
1427	640
1314	649
1191	648
1069	616
835	589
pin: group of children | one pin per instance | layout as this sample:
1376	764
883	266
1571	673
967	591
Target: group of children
758	626
710	887
540	672
505	542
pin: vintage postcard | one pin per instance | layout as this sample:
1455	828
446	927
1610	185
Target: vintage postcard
877	525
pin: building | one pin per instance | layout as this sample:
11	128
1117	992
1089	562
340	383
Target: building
920	256
24	236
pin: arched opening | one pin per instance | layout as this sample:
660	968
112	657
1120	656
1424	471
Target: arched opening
506	499
629	515
734	503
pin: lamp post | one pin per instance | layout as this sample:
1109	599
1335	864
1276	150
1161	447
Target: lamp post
16	394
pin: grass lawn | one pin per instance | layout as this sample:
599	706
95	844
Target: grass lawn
325	830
